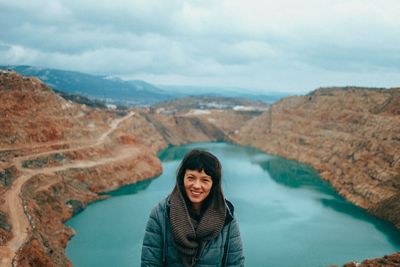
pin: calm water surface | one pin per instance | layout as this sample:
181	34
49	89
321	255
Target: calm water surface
287	215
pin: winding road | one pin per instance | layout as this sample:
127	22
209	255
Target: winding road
13	202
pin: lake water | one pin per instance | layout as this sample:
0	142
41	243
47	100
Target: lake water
287	215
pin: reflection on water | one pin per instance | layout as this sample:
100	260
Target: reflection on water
171	154
292	174
288	216
129	189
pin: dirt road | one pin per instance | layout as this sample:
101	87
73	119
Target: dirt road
13	203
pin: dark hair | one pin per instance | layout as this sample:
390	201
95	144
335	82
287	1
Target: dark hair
200	160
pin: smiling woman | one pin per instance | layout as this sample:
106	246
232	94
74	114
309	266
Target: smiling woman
194	225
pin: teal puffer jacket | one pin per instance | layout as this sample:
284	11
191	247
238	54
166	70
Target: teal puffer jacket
158	248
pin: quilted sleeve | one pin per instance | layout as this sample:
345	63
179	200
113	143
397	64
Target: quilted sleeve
152	249
235	256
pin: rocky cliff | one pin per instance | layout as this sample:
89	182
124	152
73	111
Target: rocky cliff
55	156
386	261
350	135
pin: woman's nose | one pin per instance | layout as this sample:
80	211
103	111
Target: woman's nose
196	184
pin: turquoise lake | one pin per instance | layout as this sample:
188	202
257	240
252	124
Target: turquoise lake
287	215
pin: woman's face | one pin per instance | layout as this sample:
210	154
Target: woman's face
197	186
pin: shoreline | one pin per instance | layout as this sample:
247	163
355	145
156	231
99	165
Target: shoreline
394	255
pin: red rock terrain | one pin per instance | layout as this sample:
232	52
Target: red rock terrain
56	156
352	136
386	261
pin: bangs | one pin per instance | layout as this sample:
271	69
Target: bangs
200	160
200	164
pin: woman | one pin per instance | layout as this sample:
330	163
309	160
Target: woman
194	225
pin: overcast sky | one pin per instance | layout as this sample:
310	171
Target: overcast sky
291	46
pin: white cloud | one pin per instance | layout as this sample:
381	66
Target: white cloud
285	45
15	54
245	51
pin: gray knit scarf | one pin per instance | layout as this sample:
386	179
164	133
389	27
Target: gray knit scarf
190	236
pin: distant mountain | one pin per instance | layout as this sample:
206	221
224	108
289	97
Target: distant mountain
185	90
112	90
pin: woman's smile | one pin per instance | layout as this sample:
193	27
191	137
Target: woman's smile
195	194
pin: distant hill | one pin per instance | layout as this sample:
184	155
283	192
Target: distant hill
118	92
94	103
211	102
112	90
186	90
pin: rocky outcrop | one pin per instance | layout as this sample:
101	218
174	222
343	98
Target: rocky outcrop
52	199
386	261
178	129
350	135
47	117
67	154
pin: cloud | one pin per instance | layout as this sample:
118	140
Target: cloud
15	54
285	45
